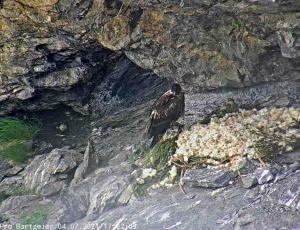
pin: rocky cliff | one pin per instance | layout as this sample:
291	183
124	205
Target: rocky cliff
108	60
250	48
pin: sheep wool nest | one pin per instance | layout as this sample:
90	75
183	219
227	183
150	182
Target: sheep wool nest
252	134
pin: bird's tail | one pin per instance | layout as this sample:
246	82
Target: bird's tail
149	126
150	136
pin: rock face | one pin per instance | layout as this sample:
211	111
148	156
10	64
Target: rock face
91	197
65	52
208	178
49	174
42	64
210	45
105	197
125	86
248	49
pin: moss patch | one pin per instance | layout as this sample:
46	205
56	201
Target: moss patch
14	137
14	191
237	24
116	33
36	217
157	158
159	155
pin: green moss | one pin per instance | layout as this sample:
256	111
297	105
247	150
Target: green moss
14	191
265	145
237	24
157	158
20	191
160	154
14	137
16	129
16	152
37	217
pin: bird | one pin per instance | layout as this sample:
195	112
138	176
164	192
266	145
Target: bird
166	110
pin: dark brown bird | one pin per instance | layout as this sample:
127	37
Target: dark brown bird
165	110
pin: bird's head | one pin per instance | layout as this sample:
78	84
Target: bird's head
176	89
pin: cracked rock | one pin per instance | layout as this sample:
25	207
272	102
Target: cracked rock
208	177
44	172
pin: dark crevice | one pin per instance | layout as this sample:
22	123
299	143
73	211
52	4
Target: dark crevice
1	3
134	18
112	4
127	85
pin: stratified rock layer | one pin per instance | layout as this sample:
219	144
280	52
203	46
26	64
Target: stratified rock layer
50	48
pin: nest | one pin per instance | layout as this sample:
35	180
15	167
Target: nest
252	134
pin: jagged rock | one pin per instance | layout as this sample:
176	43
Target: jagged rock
294	167
86	166
15	170
245	220
261	175
14	204
4	166
248	166
14	180
208	177
265	175
230	208
249	181
127	85
289	158
98	193
15	207
51	51
105	195
43	147
126	195
43	173
289	196
43	62
103	140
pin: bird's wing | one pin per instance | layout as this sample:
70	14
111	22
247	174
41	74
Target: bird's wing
167	108
163	100
164	112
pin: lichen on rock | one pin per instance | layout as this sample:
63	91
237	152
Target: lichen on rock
115	33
